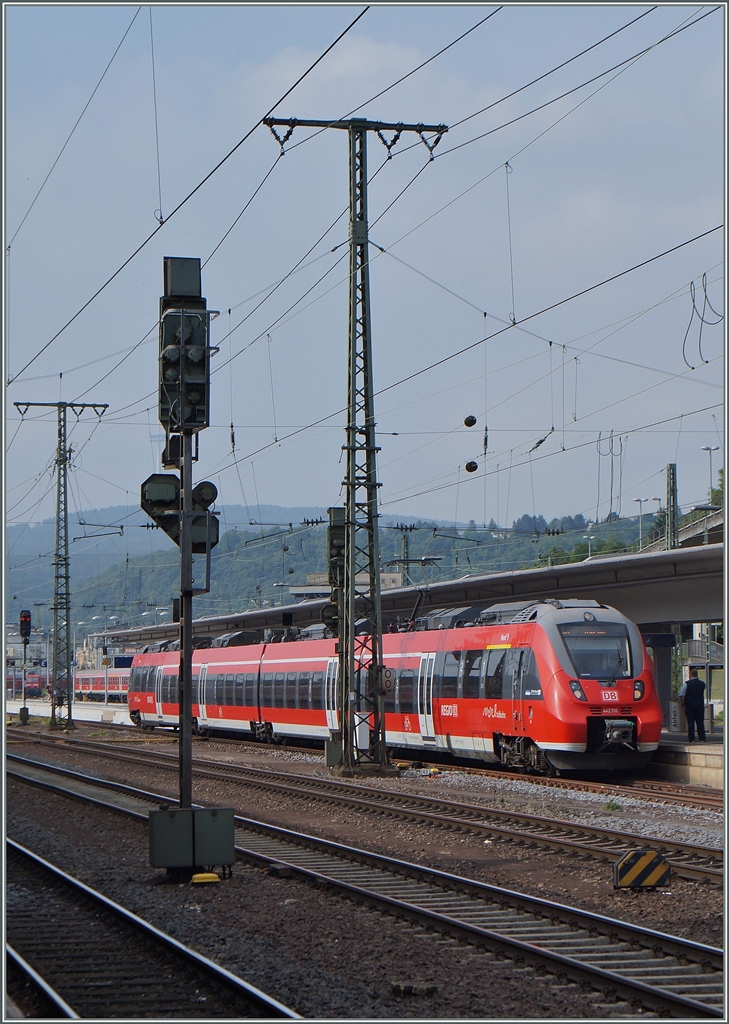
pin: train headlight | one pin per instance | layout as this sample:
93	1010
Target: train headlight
638	689
577	689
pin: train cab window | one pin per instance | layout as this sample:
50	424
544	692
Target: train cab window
449	678
278	689
303	686
531	687
598	650
249	690
471	673
267	690
495	674
317	690
291	680
405	684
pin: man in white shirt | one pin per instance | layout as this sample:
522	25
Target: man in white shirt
691	698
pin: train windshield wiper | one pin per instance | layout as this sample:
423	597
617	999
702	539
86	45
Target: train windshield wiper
614	676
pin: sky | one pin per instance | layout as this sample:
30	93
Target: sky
585	401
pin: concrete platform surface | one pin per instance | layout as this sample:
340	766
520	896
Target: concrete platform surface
696	764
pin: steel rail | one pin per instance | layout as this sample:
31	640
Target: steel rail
661	972
40	984
690	861
669	792
231	992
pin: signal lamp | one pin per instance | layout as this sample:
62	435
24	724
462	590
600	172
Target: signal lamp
577	690
25	624
638	689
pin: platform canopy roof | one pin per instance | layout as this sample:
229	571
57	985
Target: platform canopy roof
654	589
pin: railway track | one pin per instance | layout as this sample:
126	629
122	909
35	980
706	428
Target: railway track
98	960
641	789
698	863
644	968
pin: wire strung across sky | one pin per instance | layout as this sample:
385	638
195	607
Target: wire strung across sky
184	201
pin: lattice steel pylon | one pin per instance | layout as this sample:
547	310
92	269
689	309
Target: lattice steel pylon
61	650
361	693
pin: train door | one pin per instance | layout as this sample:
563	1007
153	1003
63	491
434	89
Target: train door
330	694
512	677
201	685
158	690
425	696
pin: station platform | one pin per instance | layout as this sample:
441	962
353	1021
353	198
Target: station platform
83	711
676	760
695	764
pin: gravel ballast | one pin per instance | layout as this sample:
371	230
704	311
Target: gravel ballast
320	954
470	983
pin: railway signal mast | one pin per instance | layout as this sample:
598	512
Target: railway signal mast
361	683
181	511
61	650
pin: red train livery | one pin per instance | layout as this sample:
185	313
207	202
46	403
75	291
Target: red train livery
97	684
541	686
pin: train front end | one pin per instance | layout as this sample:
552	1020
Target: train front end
601	699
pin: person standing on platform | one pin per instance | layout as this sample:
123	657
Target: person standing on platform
692	701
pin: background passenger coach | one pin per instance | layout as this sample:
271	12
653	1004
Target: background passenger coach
537	686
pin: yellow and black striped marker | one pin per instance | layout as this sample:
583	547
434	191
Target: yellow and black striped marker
642	869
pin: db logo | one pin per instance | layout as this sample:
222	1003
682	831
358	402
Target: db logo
609	695
406	725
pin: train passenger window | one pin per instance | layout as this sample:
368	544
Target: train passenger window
210	689
471	669
531	687
238	694
229	690
449	679
405	690
291	680
317	690
249	691
304	684
267	690
278	689
169	689
494	674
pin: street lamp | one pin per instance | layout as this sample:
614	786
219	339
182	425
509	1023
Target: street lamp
710	448
75	655
641	502
589	540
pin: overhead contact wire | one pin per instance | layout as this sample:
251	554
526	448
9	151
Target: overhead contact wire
187	198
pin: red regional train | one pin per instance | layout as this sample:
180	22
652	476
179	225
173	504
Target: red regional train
539	686
98	683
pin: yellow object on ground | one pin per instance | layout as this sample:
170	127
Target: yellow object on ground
205	876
